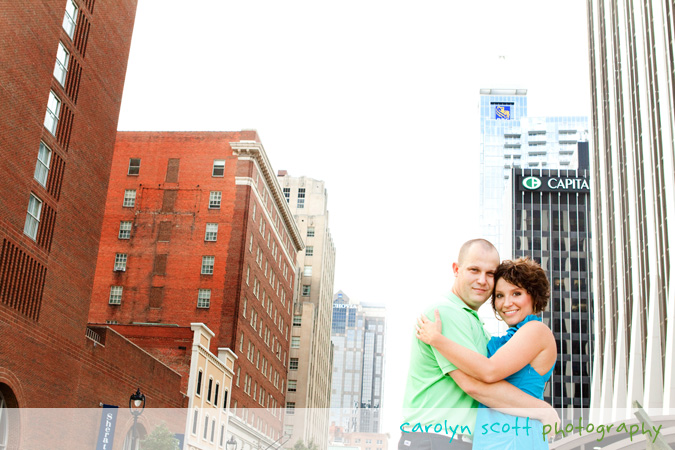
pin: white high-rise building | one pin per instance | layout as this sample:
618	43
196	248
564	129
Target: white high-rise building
632	71
309	371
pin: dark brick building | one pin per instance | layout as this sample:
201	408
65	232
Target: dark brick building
197	229
61	80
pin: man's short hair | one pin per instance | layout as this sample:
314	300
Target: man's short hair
487	245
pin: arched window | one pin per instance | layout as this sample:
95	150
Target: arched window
215	396
208	393
195	420
132	441
4	425
206	426
225	399
199	383
213	430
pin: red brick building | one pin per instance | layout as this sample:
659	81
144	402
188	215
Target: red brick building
63	69
197	229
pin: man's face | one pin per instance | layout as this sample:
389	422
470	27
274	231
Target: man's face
474	277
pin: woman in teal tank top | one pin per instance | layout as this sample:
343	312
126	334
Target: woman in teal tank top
525	356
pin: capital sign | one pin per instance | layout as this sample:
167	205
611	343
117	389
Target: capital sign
531	183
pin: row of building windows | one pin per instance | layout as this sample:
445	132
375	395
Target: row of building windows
135	165
120	265
212	422
210	390
203	296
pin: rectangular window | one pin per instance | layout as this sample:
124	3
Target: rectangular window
52	116
309	250
310	232
297	321
42	165
61	67
120	262
287	194
295	341
129	198
306	289
307	272
211	232
290	408
115	295
204	298
125	230
292	385
214	199
70	18
293	364
30	228
207	265
134	166
301	198
218	168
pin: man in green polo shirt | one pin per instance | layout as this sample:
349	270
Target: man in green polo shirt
439	405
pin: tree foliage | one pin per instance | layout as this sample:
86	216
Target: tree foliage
160	439
300	445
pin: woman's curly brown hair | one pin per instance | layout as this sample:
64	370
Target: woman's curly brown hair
527	274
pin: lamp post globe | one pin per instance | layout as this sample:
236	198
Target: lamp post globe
231	444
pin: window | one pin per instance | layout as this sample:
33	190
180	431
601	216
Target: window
307	272
42	165
70	18
209	390
125	230
115	295
225	398
204	298
211	232
290	408
134	166
61	67
222	435
195	419
52	116
207	265
214	199
213	429
215	395
297	321
310	232
309	250
306	289
292	385
30	229
218	168
206	426
301	198
120	262
287	194
129	198
293	364
295	342
199	383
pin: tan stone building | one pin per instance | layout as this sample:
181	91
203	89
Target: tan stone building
209	388
309	371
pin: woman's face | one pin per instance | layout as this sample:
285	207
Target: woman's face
512	302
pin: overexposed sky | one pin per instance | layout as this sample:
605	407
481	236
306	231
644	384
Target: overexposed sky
377	98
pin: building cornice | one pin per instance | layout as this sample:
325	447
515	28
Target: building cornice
256	152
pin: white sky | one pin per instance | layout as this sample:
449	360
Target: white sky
377	98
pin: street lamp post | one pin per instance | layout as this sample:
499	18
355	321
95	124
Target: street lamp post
136	406
231	444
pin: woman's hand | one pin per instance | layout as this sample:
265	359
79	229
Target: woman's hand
428	331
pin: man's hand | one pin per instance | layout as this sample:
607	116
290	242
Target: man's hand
427	331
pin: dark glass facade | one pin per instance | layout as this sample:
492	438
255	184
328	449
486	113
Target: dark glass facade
551	212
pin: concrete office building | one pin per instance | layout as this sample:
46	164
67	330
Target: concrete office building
551	212
632	71
311	357
358	333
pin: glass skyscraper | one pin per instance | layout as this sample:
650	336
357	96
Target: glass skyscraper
358	332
